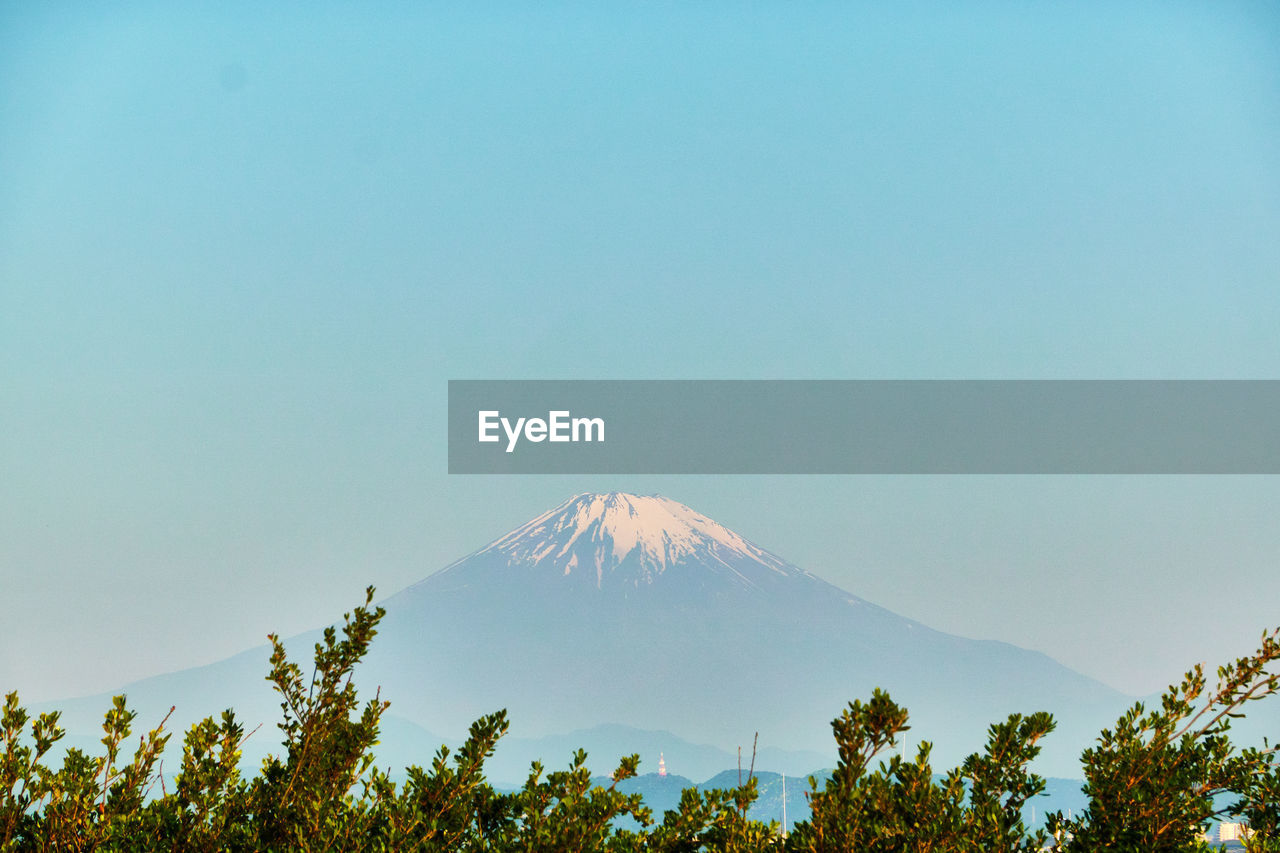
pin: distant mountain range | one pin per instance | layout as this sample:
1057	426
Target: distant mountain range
641	613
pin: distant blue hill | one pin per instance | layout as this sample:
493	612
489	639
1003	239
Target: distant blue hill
663	794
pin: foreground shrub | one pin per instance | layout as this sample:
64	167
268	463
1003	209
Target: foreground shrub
1153	782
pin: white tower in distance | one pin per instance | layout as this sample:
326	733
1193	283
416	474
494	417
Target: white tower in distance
662	765
784	805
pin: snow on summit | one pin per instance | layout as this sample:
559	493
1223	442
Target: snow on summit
595	533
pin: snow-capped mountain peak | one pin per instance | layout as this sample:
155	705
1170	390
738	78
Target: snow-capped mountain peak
632	539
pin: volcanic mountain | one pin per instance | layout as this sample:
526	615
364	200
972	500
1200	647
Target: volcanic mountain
639	611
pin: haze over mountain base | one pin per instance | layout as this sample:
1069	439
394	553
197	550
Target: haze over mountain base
641	612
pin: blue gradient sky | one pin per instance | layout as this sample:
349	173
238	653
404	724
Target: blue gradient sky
242	251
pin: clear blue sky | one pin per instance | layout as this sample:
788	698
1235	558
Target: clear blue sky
243	250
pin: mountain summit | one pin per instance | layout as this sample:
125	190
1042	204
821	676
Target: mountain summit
623	542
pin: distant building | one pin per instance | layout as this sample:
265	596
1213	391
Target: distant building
1232	831
662	765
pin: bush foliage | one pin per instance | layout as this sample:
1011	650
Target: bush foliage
1153	782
